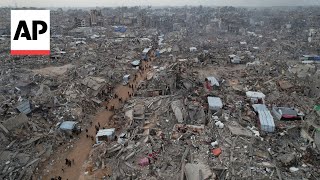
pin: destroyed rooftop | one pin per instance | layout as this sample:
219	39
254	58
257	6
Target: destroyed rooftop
213	93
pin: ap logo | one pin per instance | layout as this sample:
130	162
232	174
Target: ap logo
30	32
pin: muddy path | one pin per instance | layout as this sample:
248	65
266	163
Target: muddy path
55	166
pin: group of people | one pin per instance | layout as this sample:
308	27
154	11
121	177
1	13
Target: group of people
57	178
131	86
69	162
97	127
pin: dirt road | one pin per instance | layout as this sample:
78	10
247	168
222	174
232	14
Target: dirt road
82	147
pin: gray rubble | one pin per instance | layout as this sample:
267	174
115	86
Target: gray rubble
169	128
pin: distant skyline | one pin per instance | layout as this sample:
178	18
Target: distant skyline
113	3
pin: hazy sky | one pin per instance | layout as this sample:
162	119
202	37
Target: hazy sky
92	3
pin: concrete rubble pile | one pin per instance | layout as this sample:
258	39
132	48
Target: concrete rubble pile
229	93
172	134
38	94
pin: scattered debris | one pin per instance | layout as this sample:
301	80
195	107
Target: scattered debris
223	95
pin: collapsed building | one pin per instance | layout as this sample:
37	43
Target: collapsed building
202	93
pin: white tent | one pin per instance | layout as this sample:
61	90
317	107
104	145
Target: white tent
105	135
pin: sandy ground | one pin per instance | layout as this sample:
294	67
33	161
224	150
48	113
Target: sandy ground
82	147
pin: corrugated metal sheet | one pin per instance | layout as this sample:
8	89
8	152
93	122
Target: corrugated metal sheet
266	121
265	117
24	107
68	125
106	132
259	107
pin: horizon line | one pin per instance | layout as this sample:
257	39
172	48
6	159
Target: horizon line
14	6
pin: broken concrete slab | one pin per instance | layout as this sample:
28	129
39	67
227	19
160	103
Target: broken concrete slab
196	171
94	83
30	141
129	114
287	159
304	134
284	85
178	110
23	158
3	139
240	131
54	71
139	110
6	156
4	128
187	84
196	114
15	121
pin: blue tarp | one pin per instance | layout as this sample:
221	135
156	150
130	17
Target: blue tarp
314	58
121	29
311	57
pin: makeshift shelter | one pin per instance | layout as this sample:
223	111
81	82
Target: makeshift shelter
69	127
256	97
105	135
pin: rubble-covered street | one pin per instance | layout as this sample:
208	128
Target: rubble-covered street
187	93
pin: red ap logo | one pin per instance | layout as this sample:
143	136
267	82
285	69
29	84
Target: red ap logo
30	32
